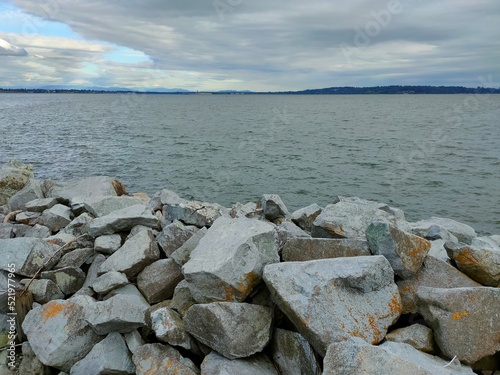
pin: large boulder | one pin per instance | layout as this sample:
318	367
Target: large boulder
40	205
157	281
169	327
90	188
182	254
301	249
304	217
174	236
416	335
228	261
44	291
14	176
105	205
158	359
194	213
332	299
215	364
68	279
273	207
32	190
463	232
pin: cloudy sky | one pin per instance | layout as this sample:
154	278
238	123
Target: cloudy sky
249	44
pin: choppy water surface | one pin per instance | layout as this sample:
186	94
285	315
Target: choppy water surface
429	155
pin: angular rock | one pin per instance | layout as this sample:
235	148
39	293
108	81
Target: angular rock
292	354
287	231
68	279
152	359
57	217
38	231
355	356
434	273
464	320
174	236
79	225
182	255
40	205
20	230
13	177
28	254
169	327
481	264
215	364
66	241
196	213
332	299
75	258
108	244
140	228
416	335
30	363
433	233
6	230
182	299
110	356
135	254
463	232
228	261
273	207
438	251
58	332
302	249
244	210
235	330
157	281
45	290
129	290
134	340
404	251
165	197
304	217
120	313
123	220
28	218
32	190
87	188
109	281
91	276
106	205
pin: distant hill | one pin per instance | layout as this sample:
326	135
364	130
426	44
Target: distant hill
397	90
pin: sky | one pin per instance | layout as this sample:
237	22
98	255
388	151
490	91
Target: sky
249	44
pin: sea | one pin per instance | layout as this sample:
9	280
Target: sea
430	155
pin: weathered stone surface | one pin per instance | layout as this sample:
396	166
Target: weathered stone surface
215	364
40	205
304	217
134	340
292	354
140	228
249	210
79	225
91	276
129	290
109	281
28	218
106	205
38	231
434	273
355	356
65	240
287	231
481	264
58	332
87	188
183	253
13	177
174	236
433	233
32	190
28	254
31	364
75	258
157	281
302	249
107	244
123	220
182	299
332	299
273	207
68	279
438	251
152	359
165	197
416	335
6	230
196	213
235	330
463	232
169	327
57	217
465	321
120	313
135	254
45	290
349	218
404	251
110	356
228	262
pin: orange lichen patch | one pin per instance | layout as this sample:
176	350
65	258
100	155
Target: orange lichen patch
465	257
376	331
335	230
242	288
395	304
51	309
359	334
459	315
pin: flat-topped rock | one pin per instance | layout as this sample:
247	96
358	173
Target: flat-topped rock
304	217
303	249
196	213
87	188
463	232
215	364
32	190
40	205
158	359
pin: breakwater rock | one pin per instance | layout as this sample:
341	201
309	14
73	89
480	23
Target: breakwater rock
131	284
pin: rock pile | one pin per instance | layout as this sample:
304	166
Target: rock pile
136	285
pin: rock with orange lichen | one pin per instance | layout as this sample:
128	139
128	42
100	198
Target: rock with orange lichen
332	299
58	332
404	251
416	335
465	321
156	359
228	261
215	364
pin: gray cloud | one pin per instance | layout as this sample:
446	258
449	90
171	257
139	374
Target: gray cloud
8	49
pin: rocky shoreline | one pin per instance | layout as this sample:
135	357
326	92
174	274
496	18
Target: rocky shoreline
98	281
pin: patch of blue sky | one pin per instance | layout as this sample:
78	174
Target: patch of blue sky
125	55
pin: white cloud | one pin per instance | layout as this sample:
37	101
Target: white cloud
8	49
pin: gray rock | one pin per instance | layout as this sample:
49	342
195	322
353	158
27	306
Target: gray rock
6	230
182	299
196	213
465	321
152	359
292	354
129	290
106	205
123	220
32	190
481	264
182	255
134	341
487	242
28	218
463	232
68	279
31	364
64	240
58	332
120	313
158	280
273	207
13	177
215	364
45	290
20	230
140	228
404	251
416	335
79	225
433	233
165	197
137	253
228	261
434	273
57	217
40	205
302	249
349	218
235	330
244	210
355	356
91	276
110	356
332	299
169	327
75	258
174	236
107	244
87	188
287	231
109	281
38	231
304	217
28	254
438	251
